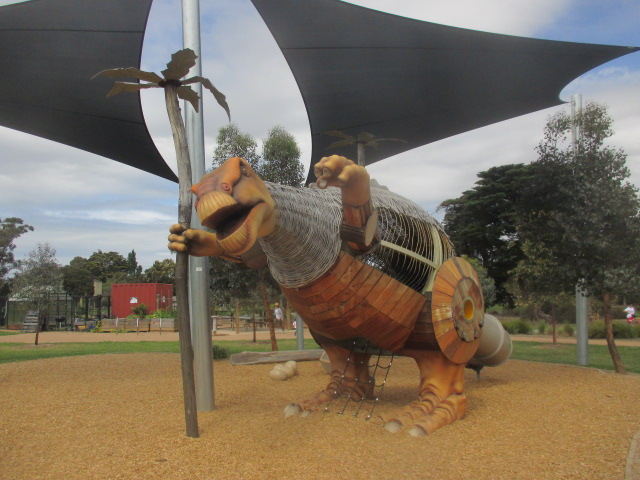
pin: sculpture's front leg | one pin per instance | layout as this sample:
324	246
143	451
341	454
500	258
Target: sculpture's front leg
195	242
359	224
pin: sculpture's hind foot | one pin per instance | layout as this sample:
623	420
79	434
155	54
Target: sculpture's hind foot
442	399
425	418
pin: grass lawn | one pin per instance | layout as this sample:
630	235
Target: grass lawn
6	332
598	357
536	352
19	352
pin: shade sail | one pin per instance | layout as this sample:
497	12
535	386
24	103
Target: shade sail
360	70
49	50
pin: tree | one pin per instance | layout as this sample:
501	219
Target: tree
38	277
281	159
280	163
161	272
230	142
134	271
10	229
482	223
77	279
585	226
103	265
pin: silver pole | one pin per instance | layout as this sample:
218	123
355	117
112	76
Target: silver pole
198	267
582	301
300	332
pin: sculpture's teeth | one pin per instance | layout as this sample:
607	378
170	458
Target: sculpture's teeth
237	242
211	203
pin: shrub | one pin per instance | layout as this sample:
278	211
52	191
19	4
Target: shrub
140	310
568	329
220	353
620	330
542	327
164	313
518	327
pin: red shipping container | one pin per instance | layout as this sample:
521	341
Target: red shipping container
125	296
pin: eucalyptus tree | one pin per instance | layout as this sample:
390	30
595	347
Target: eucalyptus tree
10	229
583	220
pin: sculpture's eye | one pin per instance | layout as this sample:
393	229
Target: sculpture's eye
244	170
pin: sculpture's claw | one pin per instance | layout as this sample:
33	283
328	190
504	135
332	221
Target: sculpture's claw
291	410
393	426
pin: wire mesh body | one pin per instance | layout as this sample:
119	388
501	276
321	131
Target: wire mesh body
306	241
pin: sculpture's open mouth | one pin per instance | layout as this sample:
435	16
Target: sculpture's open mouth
227	220
236	225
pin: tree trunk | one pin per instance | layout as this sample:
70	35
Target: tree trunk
182	261
267	311
554	325
237	315
38	329
611	342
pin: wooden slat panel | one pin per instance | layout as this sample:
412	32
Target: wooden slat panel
387	294
366	314
377	289
410	304
343	282
369	283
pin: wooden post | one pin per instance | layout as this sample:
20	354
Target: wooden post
182	261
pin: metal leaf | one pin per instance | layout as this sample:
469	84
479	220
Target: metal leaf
217	94
188	94
130	72
341	143
128	87
180	64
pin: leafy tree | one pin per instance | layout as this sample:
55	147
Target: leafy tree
281	159
10	229
77	279
233	143
103	265
482	223
134	271
162	271
585	226
38	277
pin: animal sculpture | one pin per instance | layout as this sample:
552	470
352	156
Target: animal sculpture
355	261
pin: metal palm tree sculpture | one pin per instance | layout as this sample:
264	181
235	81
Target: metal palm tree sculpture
175	88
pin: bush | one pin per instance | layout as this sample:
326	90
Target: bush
620	330
568	329
542	327
518	327
220	353
164	313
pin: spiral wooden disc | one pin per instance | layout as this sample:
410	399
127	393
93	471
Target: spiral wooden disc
457	309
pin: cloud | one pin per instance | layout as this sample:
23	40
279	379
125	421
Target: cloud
81	203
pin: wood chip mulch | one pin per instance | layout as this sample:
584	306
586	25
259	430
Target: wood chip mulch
121	417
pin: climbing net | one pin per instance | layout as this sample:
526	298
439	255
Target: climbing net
381	364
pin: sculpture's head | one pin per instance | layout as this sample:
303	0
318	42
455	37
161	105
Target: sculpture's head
234	202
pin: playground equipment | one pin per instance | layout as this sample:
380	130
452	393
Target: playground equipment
365	269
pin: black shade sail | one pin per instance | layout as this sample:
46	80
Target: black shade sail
49	50
360	70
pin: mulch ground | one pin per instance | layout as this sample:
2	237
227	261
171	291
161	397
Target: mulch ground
122	417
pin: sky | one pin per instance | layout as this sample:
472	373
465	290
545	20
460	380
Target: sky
80	203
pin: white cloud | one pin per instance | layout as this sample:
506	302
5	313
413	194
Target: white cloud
81	203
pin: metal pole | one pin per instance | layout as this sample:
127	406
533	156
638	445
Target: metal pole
300	332
582	328
198	267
